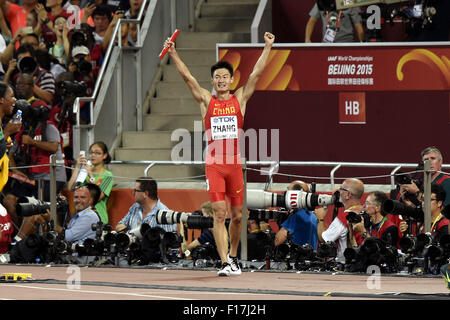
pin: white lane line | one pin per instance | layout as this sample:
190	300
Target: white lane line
96	292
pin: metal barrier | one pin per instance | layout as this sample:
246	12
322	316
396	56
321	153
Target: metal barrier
272	165
262	21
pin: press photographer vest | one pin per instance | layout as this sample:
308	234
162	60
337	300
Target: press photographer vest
37	155
442	179
342	216
378	233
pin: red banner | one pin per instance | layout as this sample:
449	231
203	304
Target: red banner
345	68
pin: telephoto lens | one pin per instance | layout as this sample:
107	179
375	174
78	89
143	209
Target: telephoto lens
193	221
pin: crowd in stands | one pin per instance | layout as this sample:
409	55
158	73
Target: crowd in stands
51	52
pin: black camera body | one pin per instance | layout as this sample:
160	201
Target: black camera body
353	217
72	88
27	65
84	67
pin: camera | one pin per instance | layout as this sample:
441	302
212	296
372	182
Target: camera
78	38
192	221
27	65
291	199
29	206
372	251
124	240
405	178
72	88
83	67
399	208
353	217
441	252
327	250
411	244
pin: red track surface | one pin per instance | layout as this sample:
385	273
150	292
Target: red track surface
55	283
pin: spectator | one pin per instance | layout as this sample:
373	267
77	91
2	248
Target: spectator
381	228
129	31
102	16
15	14
24	90
61	46
301	224
337	25
48	18
97	174
350	194
145	207
4	28
34	22
79	227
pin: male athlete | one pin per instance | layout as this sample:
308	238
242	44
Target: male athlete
223	116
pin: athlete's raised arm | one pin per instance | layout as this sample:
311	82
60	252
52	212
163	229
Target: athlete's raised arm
245	92
201	95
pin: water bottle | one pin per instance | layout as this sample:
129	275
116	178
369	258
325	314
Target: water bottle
83	172
17	118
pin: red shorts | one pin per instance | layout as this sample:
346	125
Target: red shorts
225	179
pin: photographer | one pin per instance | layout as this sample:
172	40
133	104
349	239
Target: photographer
381	227
301	224
33	145
206	235
80	66
24	90
439	224
435	157
350	194
337	25
25	62
145	208
79	227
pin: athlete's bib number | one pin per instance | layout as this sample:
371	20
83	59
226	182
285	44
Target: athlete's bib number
224	127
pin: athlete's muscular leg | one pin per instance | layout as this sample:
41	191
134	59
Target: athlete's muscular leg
235	229
220	231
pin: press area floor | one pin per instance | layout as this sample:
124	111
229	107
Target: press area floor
183	281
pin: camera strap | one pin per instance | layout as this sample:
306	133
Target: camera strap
439	217
377	229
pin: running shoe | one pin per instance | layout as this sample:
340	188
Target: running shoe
234	264
225	270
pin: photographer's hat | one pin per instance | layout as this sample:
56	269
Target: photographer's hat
80	50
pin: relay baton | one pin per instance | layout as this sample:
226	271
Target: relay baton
172	39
